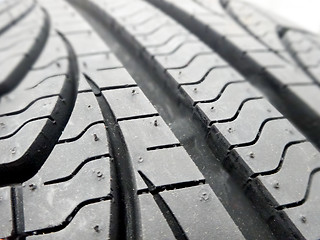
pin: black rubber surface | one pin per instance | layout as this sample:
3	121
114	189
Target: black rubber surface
157	119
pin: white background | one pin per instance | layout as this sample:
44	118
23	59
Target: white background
305	13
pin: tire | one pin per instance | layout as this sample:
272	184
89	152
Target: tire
157	120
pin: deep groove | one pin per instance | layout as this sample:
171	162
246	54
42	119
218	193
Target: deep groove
171	219
278	168
280	96
256	139
163	146
220	93
68	219
74	173
17	211
28	165
67	140
25	123
125	210
24	65
237	112
306	195
172	107
138	117
173	186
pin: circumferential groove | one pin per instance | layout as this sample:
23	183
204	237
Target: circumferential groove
28	165
125	208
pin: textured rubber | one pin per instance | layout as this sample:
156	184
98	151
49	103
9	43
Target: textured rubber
87	154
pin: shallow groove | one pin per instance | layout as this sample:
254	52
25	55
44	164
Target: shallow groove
125	210
191	60
278	168
172	107
68	220
144	21
237	112
175	49
67	140
220	93
167	40
171	219
24	65
165	24
78	168
280	96
204	76
28	165
29	105
25	123
45	79
305	198
256	139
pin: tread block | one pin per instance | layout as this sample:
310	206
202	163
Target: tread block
247	43
165	167
16	146
111	78
150	26
161	36
47	206
41	108
289	75
19	99
52	52
98	62
182	56
146	133
85	112
80	42
66	157
129	102
306	216
172	45
202	63
91	222
201	214
313	97
213	83
246	126
266	154
152	221
227	106
6	214
290	183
